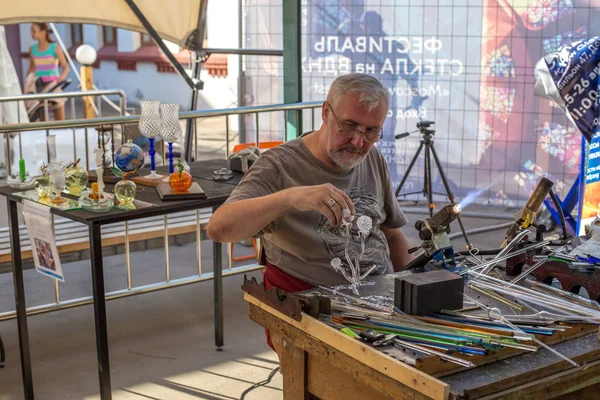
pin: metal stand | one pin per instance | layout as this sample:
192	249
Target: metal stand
100	311
218	293
2	353
427	144
13	223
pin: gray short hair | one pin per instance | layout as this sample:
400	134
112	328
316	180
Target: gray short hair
371	92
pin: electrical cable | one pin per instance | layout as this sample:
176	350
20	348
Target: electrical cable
561	215
259	384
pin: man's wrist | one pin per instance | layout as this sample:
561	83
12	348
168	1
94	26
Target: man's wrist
284	199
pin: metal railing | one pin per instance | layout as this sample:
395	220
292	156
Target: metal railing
96	95
191	218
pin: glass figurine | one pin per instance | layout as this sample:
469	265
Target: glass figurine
76	178
355	277
125	191
22	180
58	183
95	199
42	183
180	180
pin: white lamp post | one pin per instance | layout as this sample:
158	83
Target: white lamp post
86	56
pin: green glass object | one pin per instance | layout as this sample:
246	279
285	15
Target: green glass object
125	192
77	178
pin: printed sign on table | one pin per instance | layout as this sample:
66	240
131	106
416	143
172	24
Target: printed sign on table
41	236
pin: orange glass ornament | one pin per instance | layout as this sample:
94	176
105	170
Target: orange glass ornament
180	180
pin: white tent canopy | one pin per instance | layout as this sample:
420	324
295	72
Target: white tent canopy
174	20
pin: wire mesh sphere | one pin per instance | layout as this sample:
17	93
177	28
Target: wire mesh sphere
170	127
150	121
58	182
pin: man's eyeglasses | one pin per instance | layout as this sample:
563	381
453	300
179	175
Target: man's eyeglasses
350	129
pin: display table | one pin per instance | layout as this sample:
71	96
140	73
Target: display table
217	193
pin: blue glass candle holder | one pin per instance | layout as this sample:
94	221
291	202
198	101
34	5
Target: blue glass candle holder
171	167
170	129
150	123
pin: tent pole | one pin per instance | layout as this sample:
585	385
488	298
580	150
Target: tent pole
152	32
241	75
292	65
191	125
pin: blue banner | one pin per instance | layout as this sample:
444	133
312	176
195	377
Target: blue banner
574	71
570	77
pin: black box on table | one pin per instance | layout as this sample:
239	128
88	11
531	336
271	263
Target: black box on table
428	292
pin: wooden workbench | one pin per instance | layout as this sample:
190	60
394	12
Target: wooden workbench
317	361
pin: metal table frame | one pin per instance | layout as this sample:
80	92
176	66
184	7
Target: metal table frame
98	291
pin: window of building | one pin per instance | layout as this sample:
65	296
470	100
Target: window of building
76	34
109	36
147	40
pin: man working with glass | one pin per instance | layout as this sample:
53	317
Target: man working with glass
296	196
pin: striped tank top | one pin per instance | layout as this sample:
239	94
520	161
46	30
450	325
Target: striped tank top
46	63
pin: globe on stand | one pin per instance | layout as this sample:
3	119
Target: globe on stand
129	157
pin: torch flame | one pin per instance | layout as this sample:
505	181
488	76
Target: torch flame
457	209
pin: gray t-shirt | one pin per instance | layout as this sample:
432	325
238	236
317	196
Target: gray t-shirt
304	243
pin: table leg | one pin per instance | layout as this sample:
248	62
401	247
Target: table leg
294	366
218	285
17	269
100	311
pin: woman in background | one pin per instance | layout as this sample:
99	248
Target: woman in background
44	59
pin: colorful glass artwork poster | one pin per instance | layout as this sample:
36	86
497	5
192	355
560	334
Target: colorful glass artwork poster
466	65
590	188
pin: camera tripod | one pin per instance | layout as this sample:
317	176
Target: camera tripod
427	143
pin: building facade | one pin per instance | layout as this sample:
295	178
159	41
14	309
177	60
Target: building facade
131	61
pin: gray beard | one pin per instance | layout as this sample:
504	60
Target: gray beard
344	162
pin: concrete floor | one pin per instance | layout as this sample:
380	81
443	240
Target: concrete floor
161	343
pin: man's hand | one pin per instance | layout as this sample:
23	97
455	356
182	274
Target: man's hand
256	213
326	199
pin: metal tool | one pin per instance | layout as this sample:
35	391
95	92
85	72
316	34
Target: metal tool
526	216
434	233
371	336
290	304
